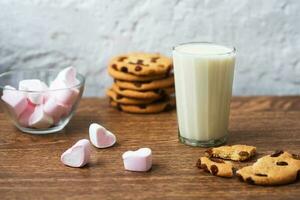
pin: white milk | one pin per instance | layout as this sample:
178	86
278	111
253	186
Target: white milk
203	82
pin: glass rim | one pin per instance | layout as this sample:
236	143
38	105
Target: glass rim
232	48
2	87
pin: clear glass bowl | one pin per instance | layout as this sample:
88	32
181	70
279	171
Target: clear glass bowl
15	108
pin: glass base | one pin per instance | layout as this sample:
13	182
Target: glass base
208	143
53	129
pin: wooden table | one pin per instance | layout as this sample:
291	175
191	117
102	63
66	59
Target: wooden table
30	166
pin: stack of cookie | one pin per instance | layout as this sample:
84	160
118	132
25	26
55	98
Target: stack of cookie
143	83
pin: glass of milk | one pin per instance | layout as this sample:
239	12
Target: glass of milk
203	82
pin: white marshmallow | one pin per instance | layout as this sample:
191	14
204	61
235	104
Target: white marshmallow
100	137
140	160
78	155
15	100
36	90
39	119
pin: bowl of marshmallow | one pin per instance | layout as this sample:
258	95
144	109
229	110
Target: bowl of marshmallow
41	101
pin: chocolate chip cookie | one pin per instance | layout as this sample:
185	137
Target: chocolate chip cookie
149	85
151	108
126	100
235	152
142	64
151	94
275	169
131	77
216	166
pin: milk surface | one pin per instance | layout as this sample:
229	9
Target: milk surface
203	83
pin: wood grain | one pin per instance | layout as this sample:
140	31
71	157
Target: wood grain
30	166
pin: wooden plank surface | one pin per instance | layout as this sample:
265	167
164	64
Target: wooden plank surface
30	166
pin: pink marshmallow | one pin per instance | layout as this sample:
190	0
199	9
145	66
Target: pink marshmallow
100	137
63	93
36	90
39	119
140	160
68	76
63	84
24	117
68	96
15	100
54	109
78	155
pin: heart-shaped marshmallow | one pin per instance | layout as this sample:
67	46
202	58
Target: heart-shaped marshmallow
140	160
63	84
36	88
78	155
100	137
16	100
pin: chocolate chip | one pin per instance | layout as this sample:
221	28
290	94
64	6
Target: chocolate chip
214	169
124	69
154	59
298	174
121	59
204	167
295	156
282	163
209	152
138	68
250	180
137	84
262	175
114	66
244	154
217	160
253	151
162	66
277	153
142	106
140	62
198	164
